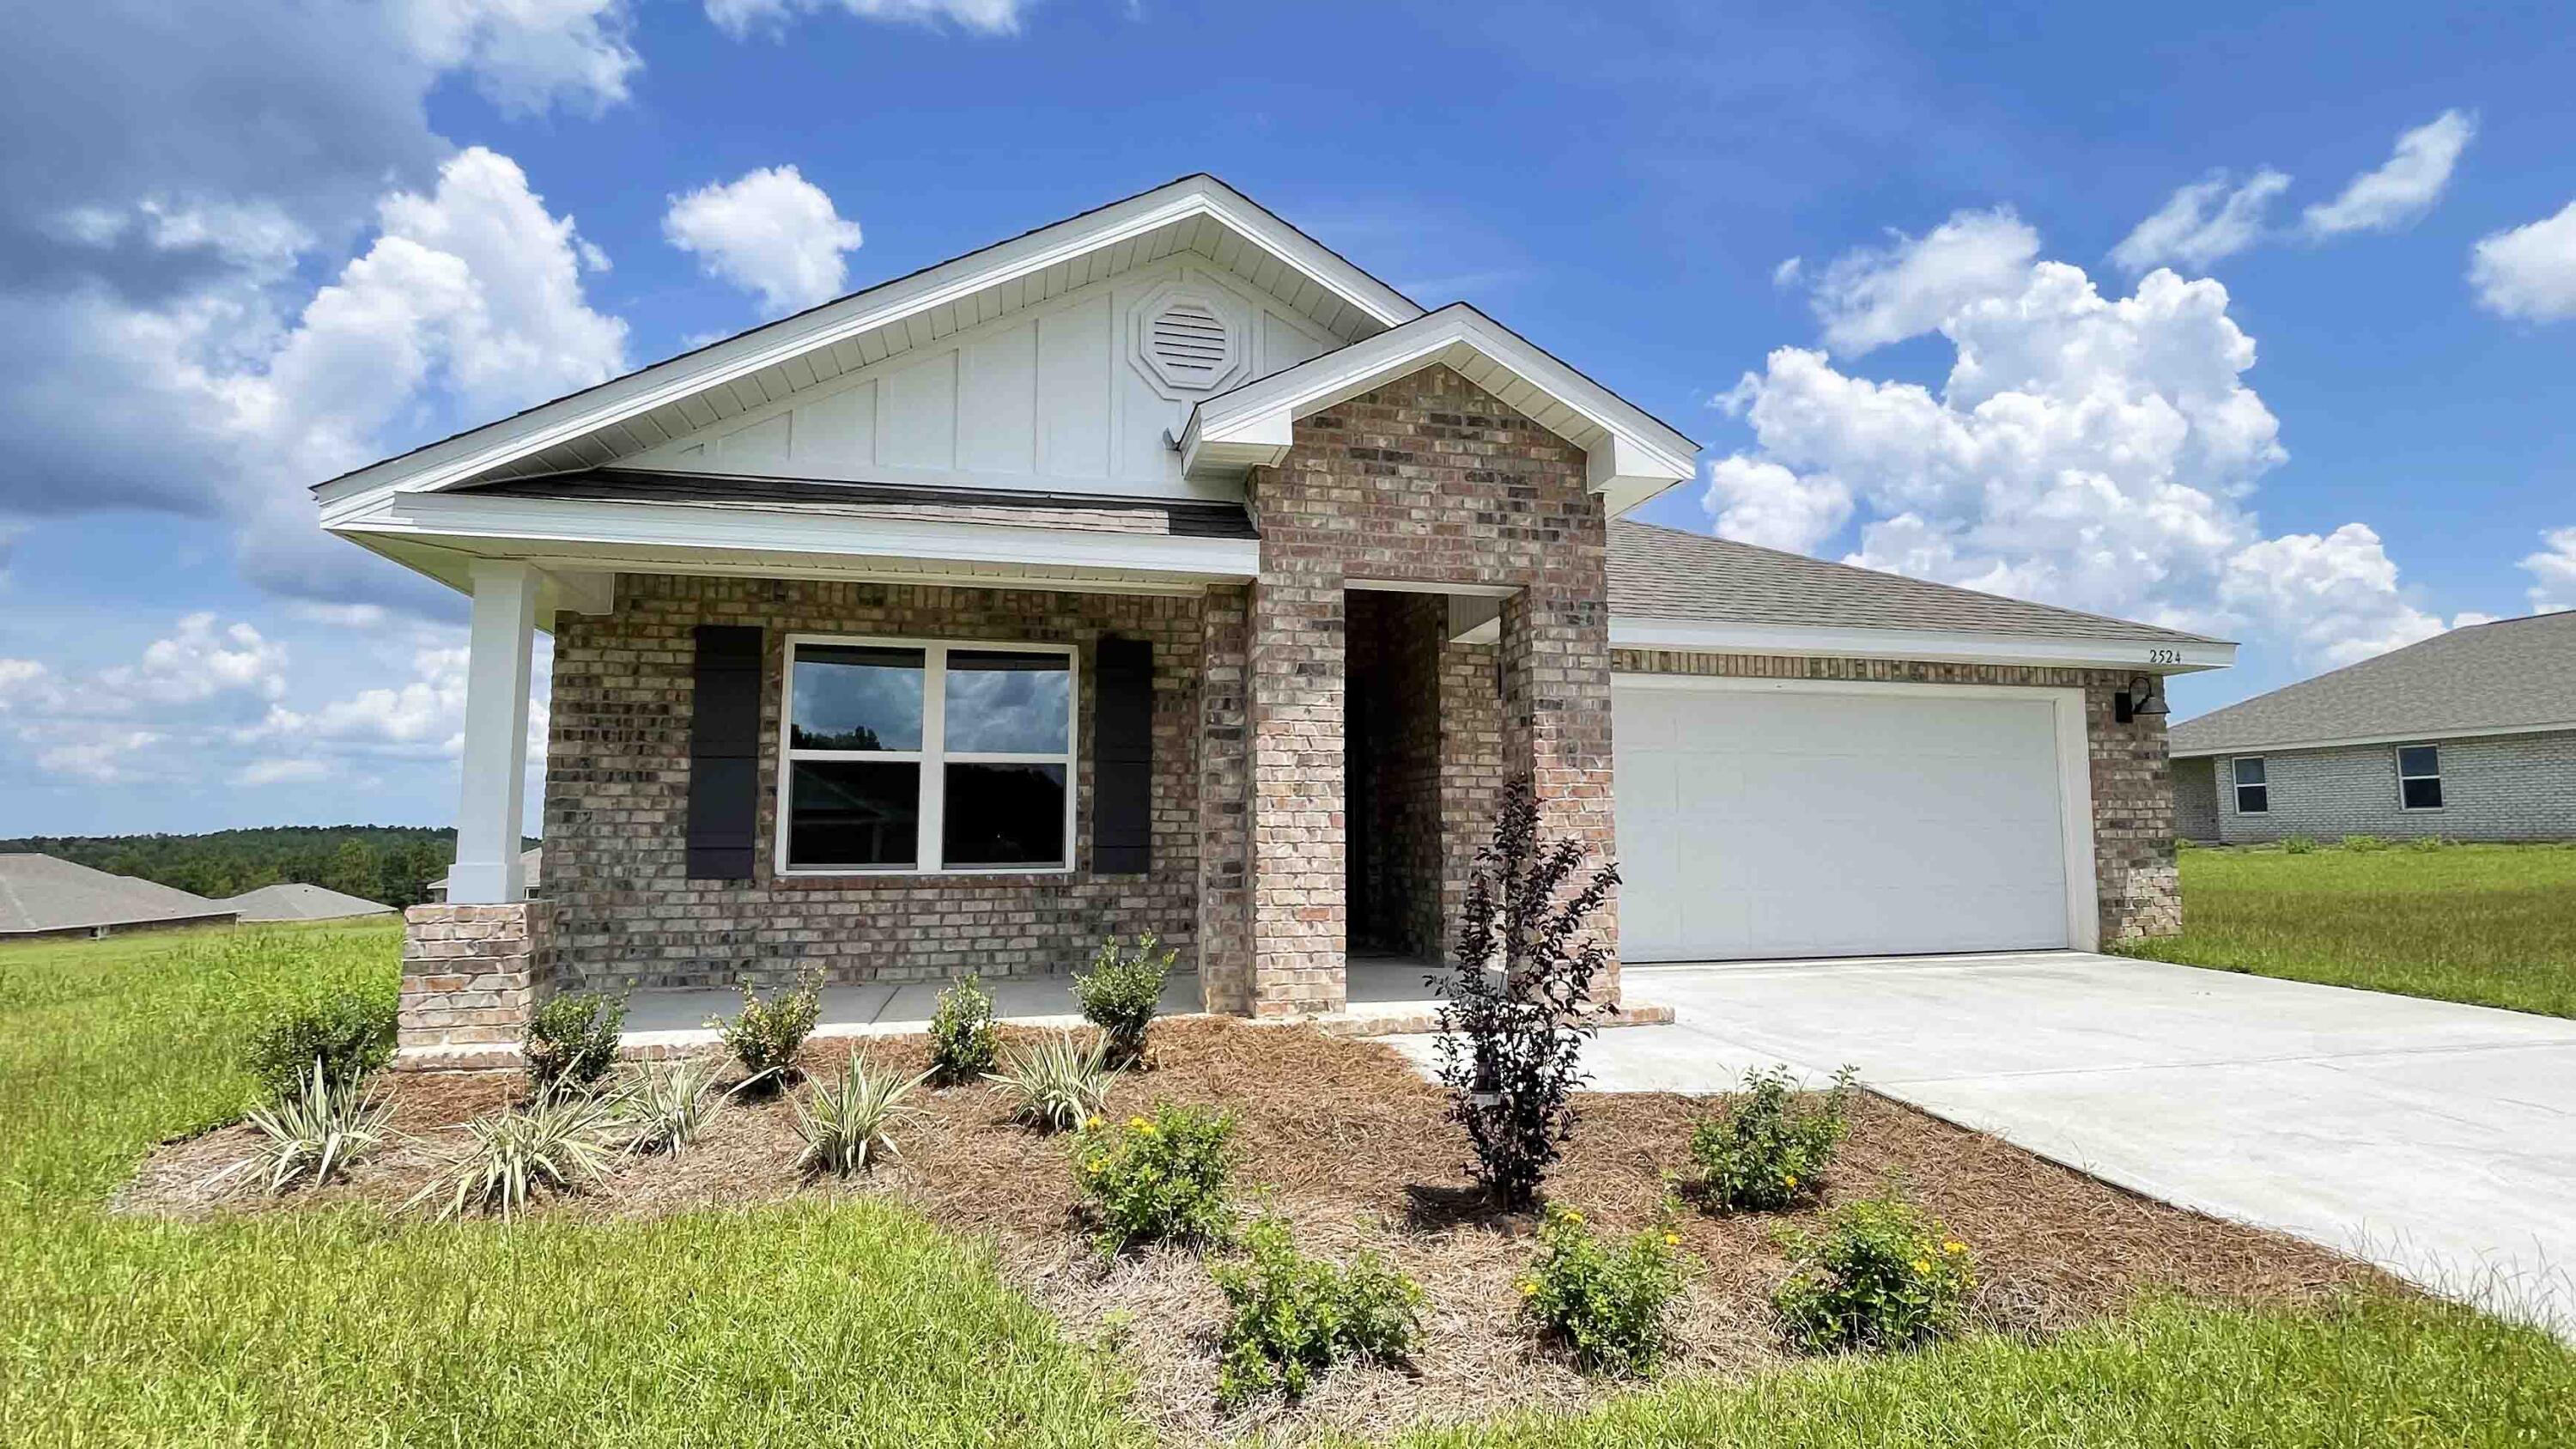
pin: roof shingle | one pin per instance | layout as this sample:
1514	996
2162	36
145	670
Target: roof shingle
2514	674
44	893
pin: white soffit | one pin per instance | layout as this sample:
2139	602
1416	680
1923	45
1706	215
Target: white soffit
1630	455
628	415
1702	636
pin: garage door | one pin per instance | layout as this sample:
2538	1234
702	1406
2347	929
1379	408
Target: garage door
1762	821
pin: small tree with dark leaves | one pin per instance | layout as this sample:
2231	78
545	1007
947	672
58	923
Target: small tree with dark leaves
1517	1005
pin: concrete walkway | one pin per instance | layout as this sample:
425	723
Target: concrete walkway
2436	1140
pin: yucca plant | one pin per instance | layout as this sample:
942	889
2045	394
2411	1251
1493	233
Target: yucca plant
328	1122
1057	1084
845	1127
664	1106
562	1140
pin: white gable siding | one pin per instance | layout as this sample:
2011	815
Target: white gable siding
1056	397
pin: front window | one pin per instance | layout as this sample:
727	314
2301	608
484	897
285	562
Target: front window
906	755
2253	793
2419	777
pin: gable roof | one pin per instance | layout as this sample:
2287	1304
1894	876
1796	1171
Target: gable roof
297	900
1671	588
1631	454
45	893
630	414
2513	676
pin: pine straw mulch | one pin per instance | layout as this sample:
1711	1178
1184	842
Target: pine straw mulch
1349	1143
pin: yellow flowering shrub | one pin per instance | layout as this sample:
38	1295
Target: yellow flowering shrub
1881	1273
1764	1151
1605	1305
1163	1178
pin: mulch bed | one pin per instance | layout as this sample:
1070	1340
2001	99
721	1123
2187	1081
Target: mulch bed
1349	1143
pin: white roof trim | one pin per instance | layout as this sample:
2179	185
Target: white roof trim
1630	454
463	457
2419	737
1700	636
530	526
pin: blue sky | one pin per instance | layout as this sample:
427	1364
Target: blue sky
2319	407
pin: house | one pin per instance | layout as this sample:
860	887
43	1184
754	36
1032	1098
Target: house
530	868
41	895
2469	735
301	901
1160	570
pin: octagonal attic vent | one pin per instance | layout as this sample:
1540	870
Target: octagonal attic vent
1188	344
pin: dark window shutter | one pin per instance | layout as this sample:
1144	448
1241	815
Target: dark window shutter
724	753
1122	754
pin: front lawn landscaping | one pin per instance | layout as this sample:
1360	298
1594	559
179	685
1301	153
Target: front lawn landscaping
2492	925
955	1294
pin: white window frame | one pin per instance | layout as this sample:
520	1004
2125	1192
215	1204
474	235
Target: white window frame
2237	788
934	756
2399	757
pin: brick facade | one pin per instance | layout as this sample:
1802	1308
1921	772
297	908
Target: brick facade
470	975
2494	787
1428	480
626	913
2133	808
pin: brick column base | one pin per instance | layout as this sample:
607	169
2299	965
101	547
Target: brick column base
471	974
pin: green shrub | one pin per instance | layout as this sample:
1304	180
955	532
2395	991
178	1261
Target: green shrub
1122	991
665	1106
1293	1317
2427	843
1763	1151
2298	844
1158	1179
1880	1274
1606	1307
561	1140
571	1040
766	1036
847	1128
350	1032
963	1039
1056	1085
327	1124
2363	844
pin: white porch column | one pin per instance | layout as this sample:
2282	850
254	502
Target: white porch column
496	735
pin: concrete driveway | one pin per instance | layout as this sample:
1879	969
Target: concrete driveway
2436	1140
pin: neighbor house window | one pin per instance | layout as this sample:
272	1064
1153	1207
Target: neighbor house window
2253	795
2419	777
909	755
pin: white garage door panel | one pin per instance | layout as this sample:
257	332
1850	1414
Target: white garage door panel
1759	823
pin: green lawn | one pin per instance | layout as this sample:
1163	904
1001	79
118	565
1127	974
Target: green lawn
851	1323
2490	924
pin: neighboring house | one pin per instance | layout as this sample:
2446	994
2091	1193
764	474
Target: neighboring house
43	896
301	901
2469	735
1160	570
529	870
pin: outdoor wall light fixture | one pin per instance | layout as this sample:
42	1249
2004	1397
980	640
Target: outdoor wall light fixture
2145	695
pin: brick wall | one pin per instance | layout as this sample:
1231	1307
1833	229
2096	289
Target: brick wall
2498	787
470	975
1428	480
2195	788
625	913
2133	801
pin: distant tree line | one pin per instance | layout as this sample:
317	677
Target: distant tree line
393	864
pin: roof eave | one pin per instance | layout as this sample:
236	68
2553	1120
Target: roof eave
2145	654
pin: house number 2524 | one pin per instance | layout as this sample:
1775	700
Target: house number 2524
2164	656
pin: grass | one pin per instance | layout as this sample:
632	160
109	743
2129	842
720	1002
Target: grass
851	1322
2492	925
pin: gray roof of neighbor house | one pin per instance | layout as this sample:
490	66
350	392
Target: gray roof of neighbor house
529	859
41	893
299	901
1665	573
2509	676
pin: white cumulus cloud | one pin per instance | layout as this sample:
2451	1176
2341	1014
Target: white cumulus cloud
1874	296
2553	572
2209	219
990	17
2098	452
770	231
2401	189
2528	272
